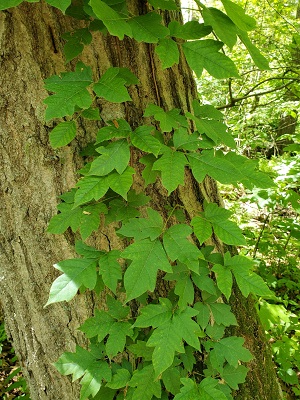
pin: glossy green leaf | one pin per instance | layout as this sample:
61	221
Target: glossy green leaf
207	163
91	113
111	86
188	391
143	139
83	364
238	16
63	134
70	90
167	51
168	119
191	30
61	4
119	379
178	247
147	258
9	3
260	61
149	174
141	228
115	155
164	4
203	315
110	269
121	184
172	165
184	140
90	187
145	383
167	338
205	54
234	376
114	22
75	42
76	273
155	314
224	279
222	25
232	350
202	228
222	314
148	28
185	290
209	390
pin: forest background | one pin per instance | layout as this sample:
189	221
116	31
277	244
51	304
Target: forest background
261	110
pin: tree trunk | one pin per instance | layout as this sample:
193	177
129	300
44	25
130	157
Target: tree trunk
34	175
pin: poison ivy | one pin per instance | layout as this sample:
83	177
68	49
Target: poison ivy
145	344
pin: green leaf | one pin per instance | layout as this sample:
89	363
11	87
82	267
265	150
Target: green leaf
167	338
207	163
120	379
171	380
184	289
232	350
110	269
202	228
188	358
164	4
149	175
83	363
204	282
226	230
70	90
260	61
116	129
222	25
61	4
68	217
184	140
234	376
91	113
116	155
189	31
117	338
178	247
250	283
121	183
141	228
167	51
155	314
105	324
143	139
172	165
168	120
213	128
208	390
205	54
75	42
147	257
111	85
189	390
90	219
224	279
238	16
9	3
148	28
63	134
114	22
140	349
90	187
203	315
76	273
222	314
145	383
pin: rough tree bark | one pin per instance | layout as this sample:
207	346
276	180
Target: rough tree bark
34	175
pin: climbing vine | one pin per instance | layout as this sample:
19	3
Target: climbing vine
145	344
